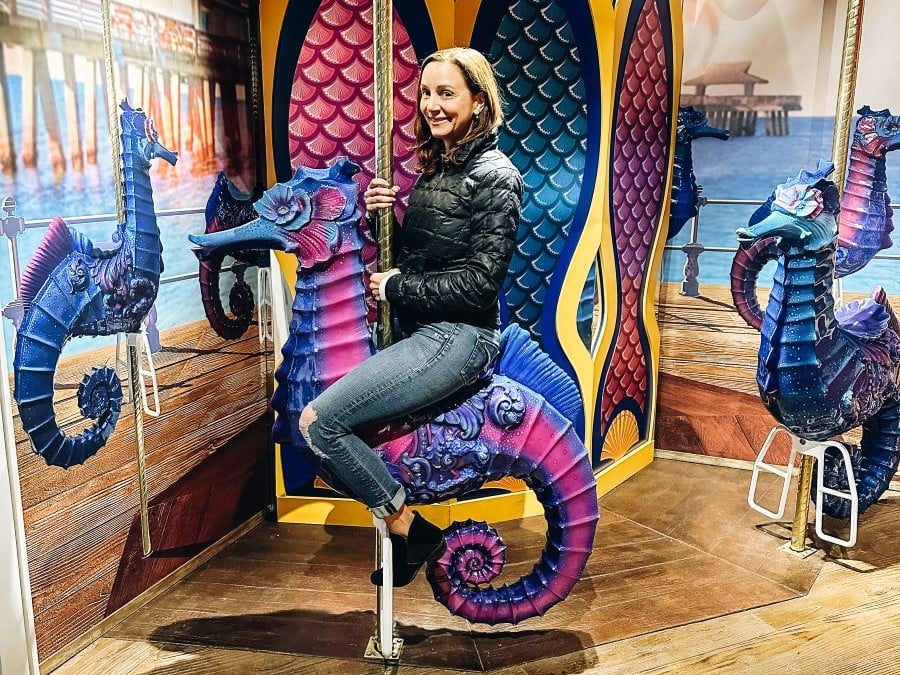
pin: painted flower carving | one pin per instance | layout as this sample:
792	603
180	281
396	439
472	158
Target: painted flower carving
800	200
278	204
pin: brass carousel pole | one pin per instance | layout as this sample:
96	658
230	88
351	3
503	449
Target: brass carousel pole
383	646
839	147
384	145
115	143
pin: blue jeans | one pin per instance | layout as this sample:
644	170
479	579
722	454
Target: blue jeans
431	364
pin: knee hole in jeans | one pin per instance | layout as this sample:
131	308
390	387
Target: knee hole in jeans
307	417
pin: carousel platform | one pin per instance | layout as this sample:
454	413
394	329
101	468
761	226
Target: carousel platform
684	578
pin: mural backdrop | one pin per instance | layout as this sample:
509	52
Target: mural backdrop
189	67
768	72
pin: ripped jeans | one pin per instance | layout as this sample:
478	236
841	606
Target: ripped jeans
431	364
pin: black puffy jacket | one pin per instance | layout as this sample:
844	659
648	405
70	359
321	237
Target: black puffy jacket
457	239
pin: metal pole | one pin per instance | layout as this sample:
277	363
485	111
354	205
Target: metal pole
843	114
801	512
839	146
383	47
382	23
113	105
134	356
115	143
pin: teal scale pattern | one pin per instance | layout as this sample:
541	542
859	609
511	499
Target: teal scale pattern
545	135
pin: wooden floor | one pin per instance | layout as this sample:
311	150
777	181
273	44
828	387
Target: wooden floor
684	579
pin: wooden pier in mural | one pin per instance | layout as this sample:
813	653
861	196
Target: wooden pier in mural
739	112
198	99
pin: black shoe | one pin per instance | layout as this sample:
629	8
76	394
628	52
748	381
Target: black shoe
425	543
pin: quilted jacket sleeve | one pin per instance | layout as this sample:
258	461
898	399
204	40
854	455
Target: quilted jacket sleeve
496	207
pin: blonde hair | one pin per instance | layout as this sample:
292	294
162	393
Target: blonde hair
479	77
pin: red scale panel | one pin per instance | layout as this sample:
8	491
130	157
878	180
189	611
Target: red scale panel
332	111
638	176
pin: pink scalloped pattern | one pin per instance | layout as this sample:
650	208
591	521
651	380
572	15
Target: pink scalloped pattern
332	99
639	166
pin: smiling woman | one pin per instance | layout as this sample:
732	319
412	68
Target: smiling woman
459	101
458	238
447	103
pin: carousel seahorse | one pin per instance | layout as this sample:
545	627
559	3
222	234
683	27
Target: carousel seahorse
865	223
513	423
228	207
72	288
686	192
821	372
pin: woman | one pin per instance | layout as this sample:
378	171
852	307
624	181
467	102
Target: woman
454	250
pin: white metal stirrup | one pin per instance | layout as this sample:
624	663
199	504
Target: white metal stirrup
817	450
147	374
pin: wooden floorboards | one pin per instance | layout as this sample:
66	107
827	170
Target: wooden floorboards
684	579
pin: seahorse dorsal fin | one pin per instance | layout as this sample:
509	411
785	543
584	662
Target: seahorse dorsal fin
56	245
522	360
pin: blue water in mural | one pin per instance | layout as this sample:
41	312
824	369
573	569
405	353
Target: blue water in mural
749	168
40	195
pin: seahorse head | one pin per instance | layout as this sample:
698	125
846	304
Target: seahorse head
302	216
141	130
692	123
800	214
877	131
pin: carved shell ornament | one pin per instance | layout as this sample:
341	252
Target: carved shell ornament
803	201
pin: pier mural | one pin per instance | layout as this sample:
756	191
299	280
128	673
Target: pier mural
582	279
766	71
188	71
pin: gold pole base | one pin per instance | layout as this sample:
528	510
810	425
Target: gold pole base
807	550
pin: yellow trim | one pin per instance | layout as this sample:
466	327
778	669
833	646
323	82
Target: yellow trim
441	13
464	21
651	285
497	508
595	243
271	20
618	472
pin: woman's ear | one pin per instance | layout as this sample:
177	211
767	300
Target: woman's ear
479	103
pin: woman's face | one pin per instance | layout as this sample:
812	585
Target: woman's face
447	103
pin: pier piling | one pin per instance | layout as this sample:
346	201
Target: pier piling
73	124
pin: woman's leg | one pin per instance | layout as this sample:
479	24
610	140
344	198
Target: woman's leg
426	367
